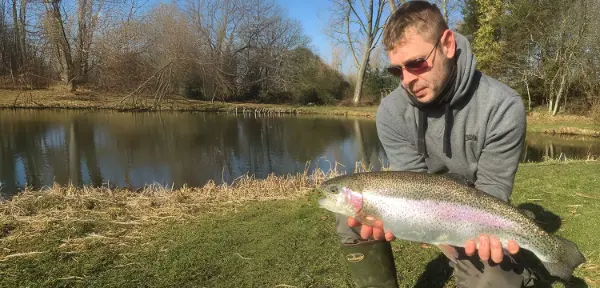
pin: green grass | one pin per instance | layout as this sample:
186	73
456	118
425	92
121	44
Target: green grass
541	121
566	127
266	243
539	127
59	98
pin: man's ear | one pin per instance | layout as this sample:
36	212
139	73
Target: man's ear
448	43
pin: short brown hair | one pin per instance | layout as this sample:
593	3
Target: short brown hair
425	17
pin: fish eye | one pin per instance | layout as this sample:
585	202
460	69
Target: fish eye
333	188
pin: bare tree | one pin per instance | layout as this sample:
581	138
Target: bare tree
562	46
4	51
548	52
19	17
56	33
450	10
336	57
217	25
72	48
393	5
377	60
359	26
267	39
210	49
87	22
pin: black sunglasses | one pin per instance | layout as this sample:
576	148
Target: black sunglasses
414	66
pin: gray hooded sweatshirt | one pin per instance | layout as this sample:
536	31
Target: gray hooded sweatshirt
476	130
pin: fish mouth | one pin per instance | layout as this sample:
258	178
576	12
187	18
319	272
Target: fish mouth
329	200
328	204
337	202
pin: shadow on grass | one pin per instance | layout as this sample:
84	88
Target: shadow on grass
438	271
436	274
550	223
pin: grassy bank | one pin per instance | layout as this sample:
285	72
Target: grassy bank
539	121
56	98
60	99
256	233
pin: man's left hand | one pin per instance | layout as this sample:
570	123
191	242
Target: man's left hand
490	247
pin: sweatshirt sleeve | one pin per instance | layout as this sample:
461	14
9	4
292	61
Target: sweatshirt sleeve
402	155
502	149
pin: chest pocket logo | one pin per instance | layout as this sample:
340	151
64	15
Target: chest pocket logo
471	137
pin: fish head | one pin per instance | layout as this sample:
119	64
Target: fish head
339	198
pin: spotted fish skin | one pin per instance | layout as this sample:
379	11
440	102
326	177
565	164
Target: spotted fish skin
437	209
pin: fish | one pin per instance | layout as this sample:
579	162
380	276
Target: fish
442	210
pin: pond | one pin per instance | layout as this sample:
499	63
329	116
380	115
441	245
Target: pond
40	147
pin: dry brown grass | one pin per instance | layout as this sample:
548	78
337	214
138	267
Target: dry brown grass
123	214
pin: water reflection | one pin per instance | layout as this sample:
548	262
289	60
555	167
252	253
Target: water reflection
38	148
560	147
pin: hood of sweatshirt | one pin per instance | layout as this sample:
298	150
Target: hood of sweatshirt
457	88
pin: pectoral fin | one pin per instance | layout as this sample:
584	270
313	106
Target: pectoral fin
450	252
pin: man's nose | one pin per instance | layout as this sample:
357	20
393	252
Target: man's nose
408	78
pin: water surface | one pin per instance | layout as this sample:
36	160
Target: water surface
39	147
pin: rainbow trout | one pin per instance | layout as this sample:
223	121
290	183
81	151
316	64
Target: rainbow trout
438	209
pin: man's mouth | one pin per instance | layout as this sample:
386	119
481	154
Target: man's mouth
419	93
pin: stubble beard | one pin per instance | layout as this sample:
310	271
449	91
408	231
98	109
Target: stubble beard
441	81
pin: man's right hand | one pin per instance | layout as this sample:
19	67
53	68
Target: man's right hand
377	231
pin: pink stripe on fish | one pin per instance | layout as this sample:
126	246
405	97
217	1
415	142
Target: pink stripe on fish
438	212
452	211
353	197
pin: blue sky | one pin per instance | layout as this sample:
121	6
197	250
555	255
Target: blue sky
313	15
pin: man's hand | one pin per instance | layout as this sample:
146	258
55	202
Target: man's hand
376	231
490	247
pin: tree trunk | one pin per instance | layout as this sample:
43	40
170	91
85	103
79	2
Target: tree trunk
559	94
22	32
18	16
367	52
16	38
361	74
87	20
528	95
368	26
59	37
445	10
82	32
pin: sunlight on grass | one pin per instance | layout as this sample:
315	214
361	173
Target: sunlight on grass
259	233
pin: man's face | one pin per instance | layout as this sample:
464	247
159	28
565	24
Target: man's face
426	81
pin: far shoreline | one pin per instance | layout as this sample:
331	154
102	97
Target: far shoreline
537	120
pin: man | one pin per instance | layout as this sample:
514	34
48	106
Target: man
446	116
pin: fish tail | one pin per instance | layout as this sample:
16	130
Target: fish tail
567	259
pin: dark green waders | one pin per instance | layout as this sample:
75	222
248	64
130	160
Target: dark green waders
371	264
